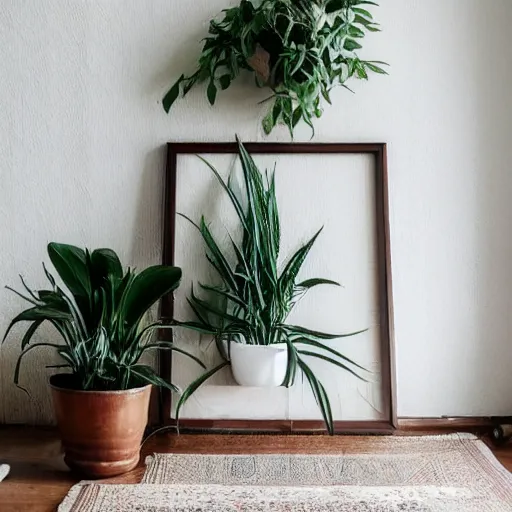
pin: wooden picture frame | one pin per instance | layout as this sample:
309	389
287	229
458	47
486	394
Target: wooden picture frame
379	153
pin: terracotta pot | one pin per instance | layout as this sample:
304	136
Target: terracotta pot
101	431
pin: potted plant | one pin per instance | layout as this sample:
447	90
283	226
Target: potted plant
247	312
101	402
299	50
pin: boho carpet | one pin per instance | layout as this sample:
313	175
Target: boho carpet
456	473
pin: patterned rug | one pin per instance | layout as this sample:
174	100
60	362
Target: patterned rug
455	473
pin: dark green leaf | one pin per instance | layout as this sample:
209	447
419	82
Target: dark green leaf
23	354
187	393
321	346
166	345
35	314
310	283
172	94
70	263
331	361
320	396
146	289
211	92
225	82
30	332
295	330
105	262
147	375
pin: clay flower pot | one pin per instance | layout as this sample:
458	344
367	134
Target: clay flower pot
101	431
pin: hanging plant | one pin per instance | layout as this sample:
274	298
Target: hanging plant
299	49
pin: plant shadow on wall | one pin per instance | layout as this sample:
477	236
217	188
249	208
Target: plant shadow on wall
300	50
247	313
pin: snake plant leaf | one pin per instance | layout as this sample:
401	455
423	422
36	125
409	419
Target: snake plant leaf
228	190
196	384
163	345
326	348
295	330
331	361
320	395
224	293
289	274
201	328
202	316
291	368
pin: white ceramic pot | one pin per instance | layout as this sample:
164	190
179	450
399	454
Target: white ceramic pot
259	366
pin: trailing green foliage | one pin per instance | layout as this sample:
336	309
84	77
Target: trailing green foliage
100	317
299	49
255	298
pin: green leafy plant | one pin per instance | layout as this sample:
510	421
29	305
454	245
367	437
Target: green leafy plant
254	299
100	316
299	49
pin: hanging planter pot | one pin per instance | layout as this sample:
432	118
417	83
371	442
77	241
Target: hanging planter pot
261	366
298	50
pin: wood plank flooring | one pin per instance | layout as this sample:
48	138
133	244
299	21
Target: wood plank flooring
39	479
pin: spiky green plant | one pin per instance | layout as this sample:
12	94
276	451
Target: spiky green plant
100	318
255	298
299	49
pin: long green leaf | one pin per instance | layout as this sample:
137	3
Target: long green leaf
187	393
224	293
295	330
332	361
145	290
147	374
105	263
23	354
320	395
70	263
30	332
317	344
289	274
35	314
234	200
310	283
162	345
172	95
291	367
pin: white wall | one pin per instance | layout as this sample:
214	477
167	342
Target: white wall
81	159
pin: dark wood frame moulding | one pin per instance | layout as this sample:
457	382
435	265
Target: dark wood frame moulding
379	152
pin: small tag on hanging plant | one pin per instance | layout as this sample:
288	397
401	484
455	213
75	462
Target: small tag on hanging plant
260	62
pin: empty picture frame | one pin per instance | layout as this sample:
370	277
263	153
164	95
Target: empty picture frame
342	187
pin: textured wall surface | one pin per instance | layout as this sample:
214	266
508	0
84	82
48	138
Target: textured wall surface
81	159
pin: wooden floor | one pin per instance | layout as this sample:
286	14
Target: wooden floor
39	479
